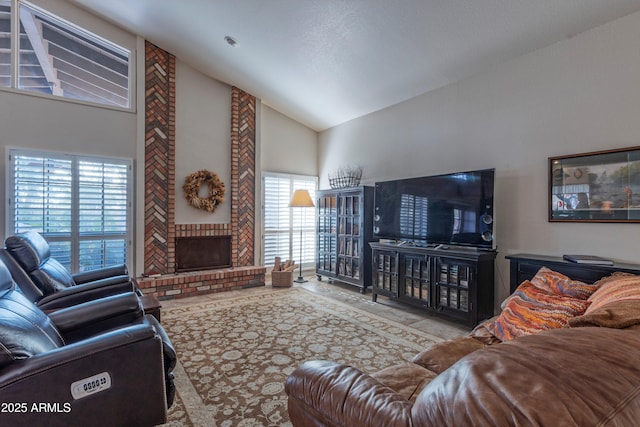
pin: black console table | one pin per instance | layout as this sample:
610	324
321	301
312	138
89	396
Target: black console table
455	282
525	266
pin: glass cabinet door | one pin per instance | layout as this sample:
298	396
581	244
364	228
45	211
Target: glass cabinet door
386	271
452	285
349	239
417	280
326	259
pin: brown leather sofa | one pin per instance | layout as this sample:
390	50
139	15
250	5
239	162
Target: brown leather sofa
562	352
582	376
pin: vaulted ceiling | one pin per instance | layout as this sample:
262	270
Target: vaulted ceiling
324	62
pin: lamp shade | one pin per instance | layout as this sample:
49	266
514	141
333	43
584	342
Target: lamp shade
301	199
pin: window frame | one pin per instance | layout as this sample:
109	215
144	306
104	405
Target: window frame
15	48
75	237
309	229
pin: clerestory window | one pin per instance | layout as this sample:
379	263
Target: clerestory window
45	54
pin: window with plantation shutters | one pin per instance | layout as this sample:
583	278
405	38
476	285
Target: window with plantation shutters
283	225
81	205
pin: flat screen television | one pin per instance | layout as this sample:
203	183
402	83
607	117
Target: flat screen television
451	209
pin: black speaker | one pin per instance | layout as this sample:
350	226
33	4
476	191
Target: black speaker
486	227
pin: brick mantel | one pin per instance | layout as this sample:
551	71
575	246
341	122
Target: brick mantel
159	216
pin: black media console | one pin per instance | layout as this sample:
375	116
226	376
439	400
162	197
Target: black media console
453	281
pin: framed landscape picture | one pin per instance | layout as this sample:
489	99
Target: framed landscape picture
601	186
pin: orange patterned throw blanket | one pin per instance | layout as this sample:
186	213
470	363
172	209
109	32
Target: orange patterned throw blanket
552	300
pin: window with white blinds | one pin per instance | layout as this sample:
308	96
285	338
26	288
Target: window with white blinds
81	205
283	225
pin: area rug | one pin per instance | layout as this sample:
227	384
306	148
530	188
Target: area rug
235	354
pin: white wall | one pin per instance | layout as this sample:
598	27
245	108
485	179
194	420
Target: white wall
287	146
38	122
580	95
203	140
284	146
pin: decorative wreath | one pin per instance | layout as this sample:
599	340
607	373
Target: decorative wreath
192	186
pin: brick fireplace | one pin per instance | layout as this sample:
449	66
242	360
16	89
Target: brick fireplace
161	232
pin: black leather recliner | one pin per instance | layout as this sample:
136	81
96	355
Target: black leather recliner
48	284
100	363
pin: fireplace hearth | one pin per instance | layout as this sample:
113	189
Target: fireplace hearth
203	253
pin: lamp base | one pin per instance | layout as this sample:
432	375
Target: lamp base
300	279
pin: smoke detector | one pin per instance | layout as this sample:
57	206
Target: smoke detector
231	41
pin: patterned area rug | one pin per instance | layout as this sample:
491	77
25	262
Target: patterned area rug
235	354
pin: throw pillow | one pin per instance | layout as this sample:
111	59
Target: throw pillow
618	315
615	288
530	310
557	283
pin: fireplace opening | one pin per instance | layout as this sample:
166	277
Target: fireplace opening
203	253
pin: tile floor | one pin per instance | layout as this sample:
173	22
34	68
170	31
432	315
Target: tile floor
384	307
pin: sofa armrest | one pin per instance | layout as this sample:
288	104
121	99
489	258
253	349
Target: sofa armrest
169	354
130	357
101	273
93	317
328	393
559	377
481	332
74	295
442	355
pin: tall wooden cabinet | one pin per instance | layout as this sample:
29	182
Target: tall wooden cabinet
457	283
345	228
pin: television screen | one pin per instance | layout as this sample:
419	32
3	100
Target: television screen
454	209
